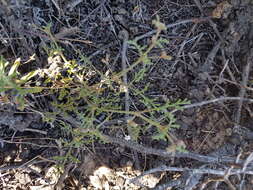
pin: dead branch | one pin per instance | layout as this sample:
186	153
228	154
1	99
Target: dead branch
245	80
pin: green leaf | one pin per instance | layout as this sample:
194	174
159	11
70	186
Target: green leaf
14	67
140	75
159	25
63	93
159	136
33	90
136	46
59	158
3	65
181	149
73	159
29	76
47	28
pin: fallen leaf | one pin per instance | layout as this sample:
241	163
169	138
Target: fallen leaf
222	10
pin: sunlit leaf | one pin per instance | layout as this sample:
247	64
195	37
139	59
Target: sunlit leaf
29	76
14	67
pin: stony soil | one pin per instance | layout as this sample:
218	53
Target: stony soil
211	48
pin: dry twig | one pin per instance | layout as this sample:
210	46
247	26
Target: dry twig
245	80
186	21
126	90
221	99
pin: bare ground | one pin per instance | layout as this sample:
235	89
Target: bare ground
211	65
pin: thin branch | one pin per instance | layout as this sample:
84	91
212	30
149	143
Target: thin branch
206	67
221	99
186	21
245	80
163	153
36	131
124	67
55	2
126	90
168	185
25	164
218	172
159	152
60	183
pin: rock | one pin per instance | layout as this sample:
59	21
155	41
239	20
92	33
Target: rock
96	182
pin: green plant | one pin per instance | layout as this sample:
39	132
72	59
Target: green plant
17	85
89	101
77	94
